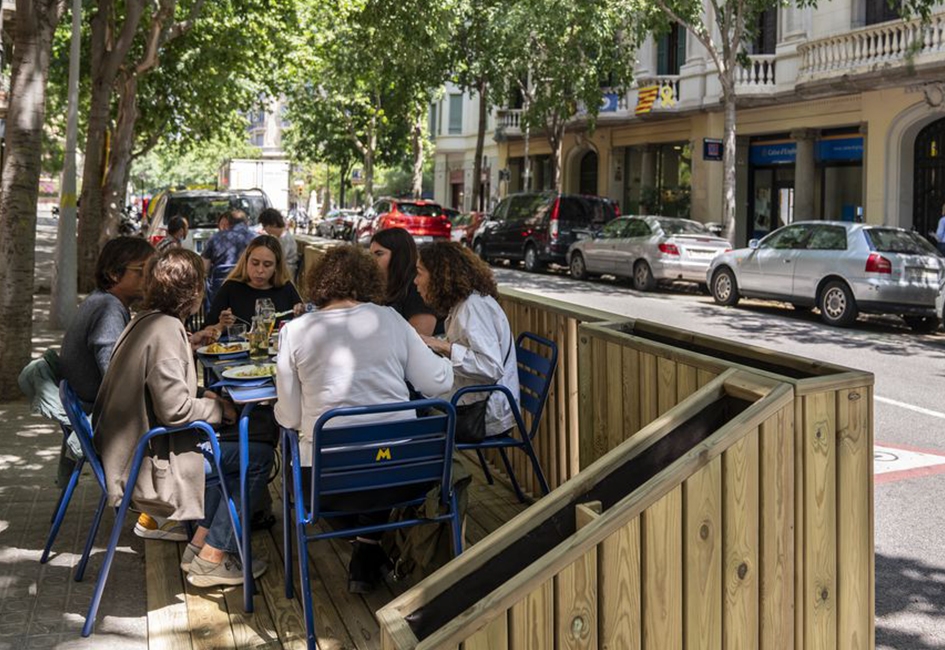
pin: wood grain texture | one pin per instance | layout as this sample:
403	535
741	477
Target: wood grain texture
573	460
702	546
620	589
616	433
740	541
208	619
666	389
777	531
586	400
854	485
687	381
494	636
820	510
662	573
575	593
250	631
630	360
531	620
167	609
648	389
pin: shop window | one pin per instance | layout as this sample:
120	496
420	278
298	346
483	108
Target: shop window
828	238
929	180
880	11
671	51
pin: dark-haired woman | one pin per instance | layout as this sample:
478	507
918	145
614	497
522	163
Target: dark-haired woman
152	381
454	281
395	253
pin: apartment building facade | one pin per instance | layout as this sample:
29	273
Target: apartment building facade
841	115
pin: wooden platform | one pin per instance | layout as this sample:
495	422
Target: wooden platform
184	617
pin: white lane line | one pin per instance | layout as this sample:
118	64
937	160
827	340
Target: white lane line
910	407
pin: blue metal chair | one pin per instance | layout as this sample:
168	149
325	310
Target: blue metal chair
83	429
367	456
122	510
535	373
215	280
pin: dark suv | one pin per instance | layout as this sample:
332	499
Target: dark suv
201	209
539	227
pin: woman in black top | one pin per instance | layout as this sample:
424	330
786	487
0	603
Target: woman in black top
260	273
396	255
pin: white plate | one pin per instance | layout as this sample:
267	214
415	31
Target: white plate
250	371
239	346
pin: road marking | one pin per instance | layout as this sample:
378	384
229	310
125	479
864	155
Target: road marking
895	463
910	407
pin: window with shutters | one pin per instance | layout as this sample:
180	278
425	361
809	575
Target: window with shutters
456	114
766	32
880	11
432	126
671	51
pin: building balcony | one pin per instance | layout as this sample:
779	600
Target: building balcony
757	78
874	56
654	94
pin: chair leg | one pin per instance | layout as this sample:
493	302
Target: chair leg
287	523
536	465
485	466
508	468
107	562
456	527
306	587
93	531
64	500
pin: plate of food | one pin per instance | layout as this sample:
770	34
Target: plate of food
251	371
224	348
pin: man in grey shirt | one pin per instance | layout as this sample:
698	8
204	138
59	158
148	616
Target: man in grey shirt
87	345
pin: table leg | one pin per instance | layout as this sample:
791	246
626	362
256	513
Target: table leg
246	515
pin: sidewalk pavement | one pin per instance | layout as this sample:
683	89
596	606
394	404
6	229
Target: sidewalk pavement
41	606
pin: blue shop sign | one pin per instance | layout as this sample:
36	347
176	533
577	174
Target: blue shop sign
840	149
781	153
609	103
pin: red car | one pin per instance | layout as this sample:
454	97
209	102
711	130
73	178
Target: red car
465	225
424	220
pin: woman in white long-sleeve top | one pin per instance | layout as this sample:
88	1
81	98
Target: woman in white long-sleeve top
479	344
350	352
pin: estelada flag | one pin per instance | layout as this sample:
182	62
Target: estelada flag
645	98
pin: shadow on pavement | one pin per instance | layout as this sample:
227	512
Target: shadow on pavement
907	588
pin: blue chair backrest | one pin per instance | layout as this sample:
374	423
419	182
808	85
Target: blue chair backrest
82	428
535	373
377	455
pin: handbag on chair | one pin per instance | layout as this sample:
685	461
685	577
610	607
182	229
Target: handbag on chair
471	418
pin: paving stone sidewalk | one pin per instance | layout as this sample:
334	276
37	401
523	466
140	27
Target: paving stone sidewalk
41	606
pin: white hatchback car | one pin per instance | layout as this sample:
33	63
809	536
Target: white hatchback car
839	267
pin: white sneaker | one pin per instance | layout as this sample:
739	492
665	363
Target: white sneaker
229	571
167	530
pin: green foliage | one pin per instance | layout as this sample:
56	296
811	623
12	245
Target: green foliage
184	164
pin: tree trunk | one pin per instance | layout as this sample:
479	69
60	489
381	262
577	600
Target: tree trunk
417	138
343	173
728	159
555	138
119	159
477	202
369	164
36	21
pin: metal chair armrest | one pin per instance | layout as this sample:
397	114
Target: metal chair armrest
491	388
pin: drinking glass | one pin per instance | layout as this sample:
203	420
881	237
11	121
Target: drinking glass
264	305
259	339
236	332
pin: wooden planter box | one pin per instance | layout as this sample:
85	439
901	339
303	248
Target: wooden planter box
667	541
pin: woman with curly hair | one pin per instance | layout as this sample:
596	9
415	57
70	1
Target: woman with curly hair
151	381
395	253
351	352
456	283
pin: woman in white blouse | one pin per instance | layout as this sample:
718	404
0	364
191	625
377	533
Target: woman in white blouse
455	282
350	352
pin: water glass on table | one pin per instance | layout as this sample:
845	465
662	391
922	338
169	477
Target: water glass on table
236	332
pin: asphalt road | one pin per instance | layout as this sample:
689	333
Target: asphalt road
909	413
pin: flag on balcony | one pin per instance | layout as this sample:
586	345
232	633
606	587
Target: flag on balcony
645	98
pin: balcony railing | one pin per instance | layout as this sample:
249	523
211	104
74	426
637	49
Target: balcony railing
758	77
667	94
510	119
866	49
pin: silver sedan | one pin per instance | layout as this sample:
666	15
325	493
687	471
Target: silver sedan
841	268
647	249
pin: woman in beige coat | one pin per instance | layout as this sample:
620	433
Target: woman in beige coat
152	381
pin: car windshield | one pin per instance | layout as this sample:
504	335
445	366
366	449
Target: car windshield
420	209
893	240
682	227
202	211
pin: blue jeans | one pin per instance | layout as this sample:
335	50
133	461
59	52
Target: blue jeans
216	518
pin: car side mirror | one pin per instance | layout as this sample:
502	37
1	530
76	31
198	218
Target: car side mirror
753	244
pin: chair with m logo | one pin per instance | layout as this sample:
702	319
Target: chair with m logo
390	464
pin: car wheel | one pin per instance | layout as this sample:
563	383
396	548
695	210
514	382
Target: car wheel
837	305
532	263
480	250
724	287
643	277
922	324
578	268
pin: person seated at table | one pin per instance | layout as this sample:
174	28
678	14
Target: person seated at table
177	228
273	223
351	352
395	253
455	281
151	381
260	273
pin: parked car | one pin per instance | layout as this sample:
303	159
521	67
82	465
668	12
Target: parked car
201	209
648	250
839	267
539	227
425	220
465	226
336	223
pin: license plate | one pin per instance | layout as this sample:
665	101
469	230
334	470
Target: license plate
929	276
702	252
